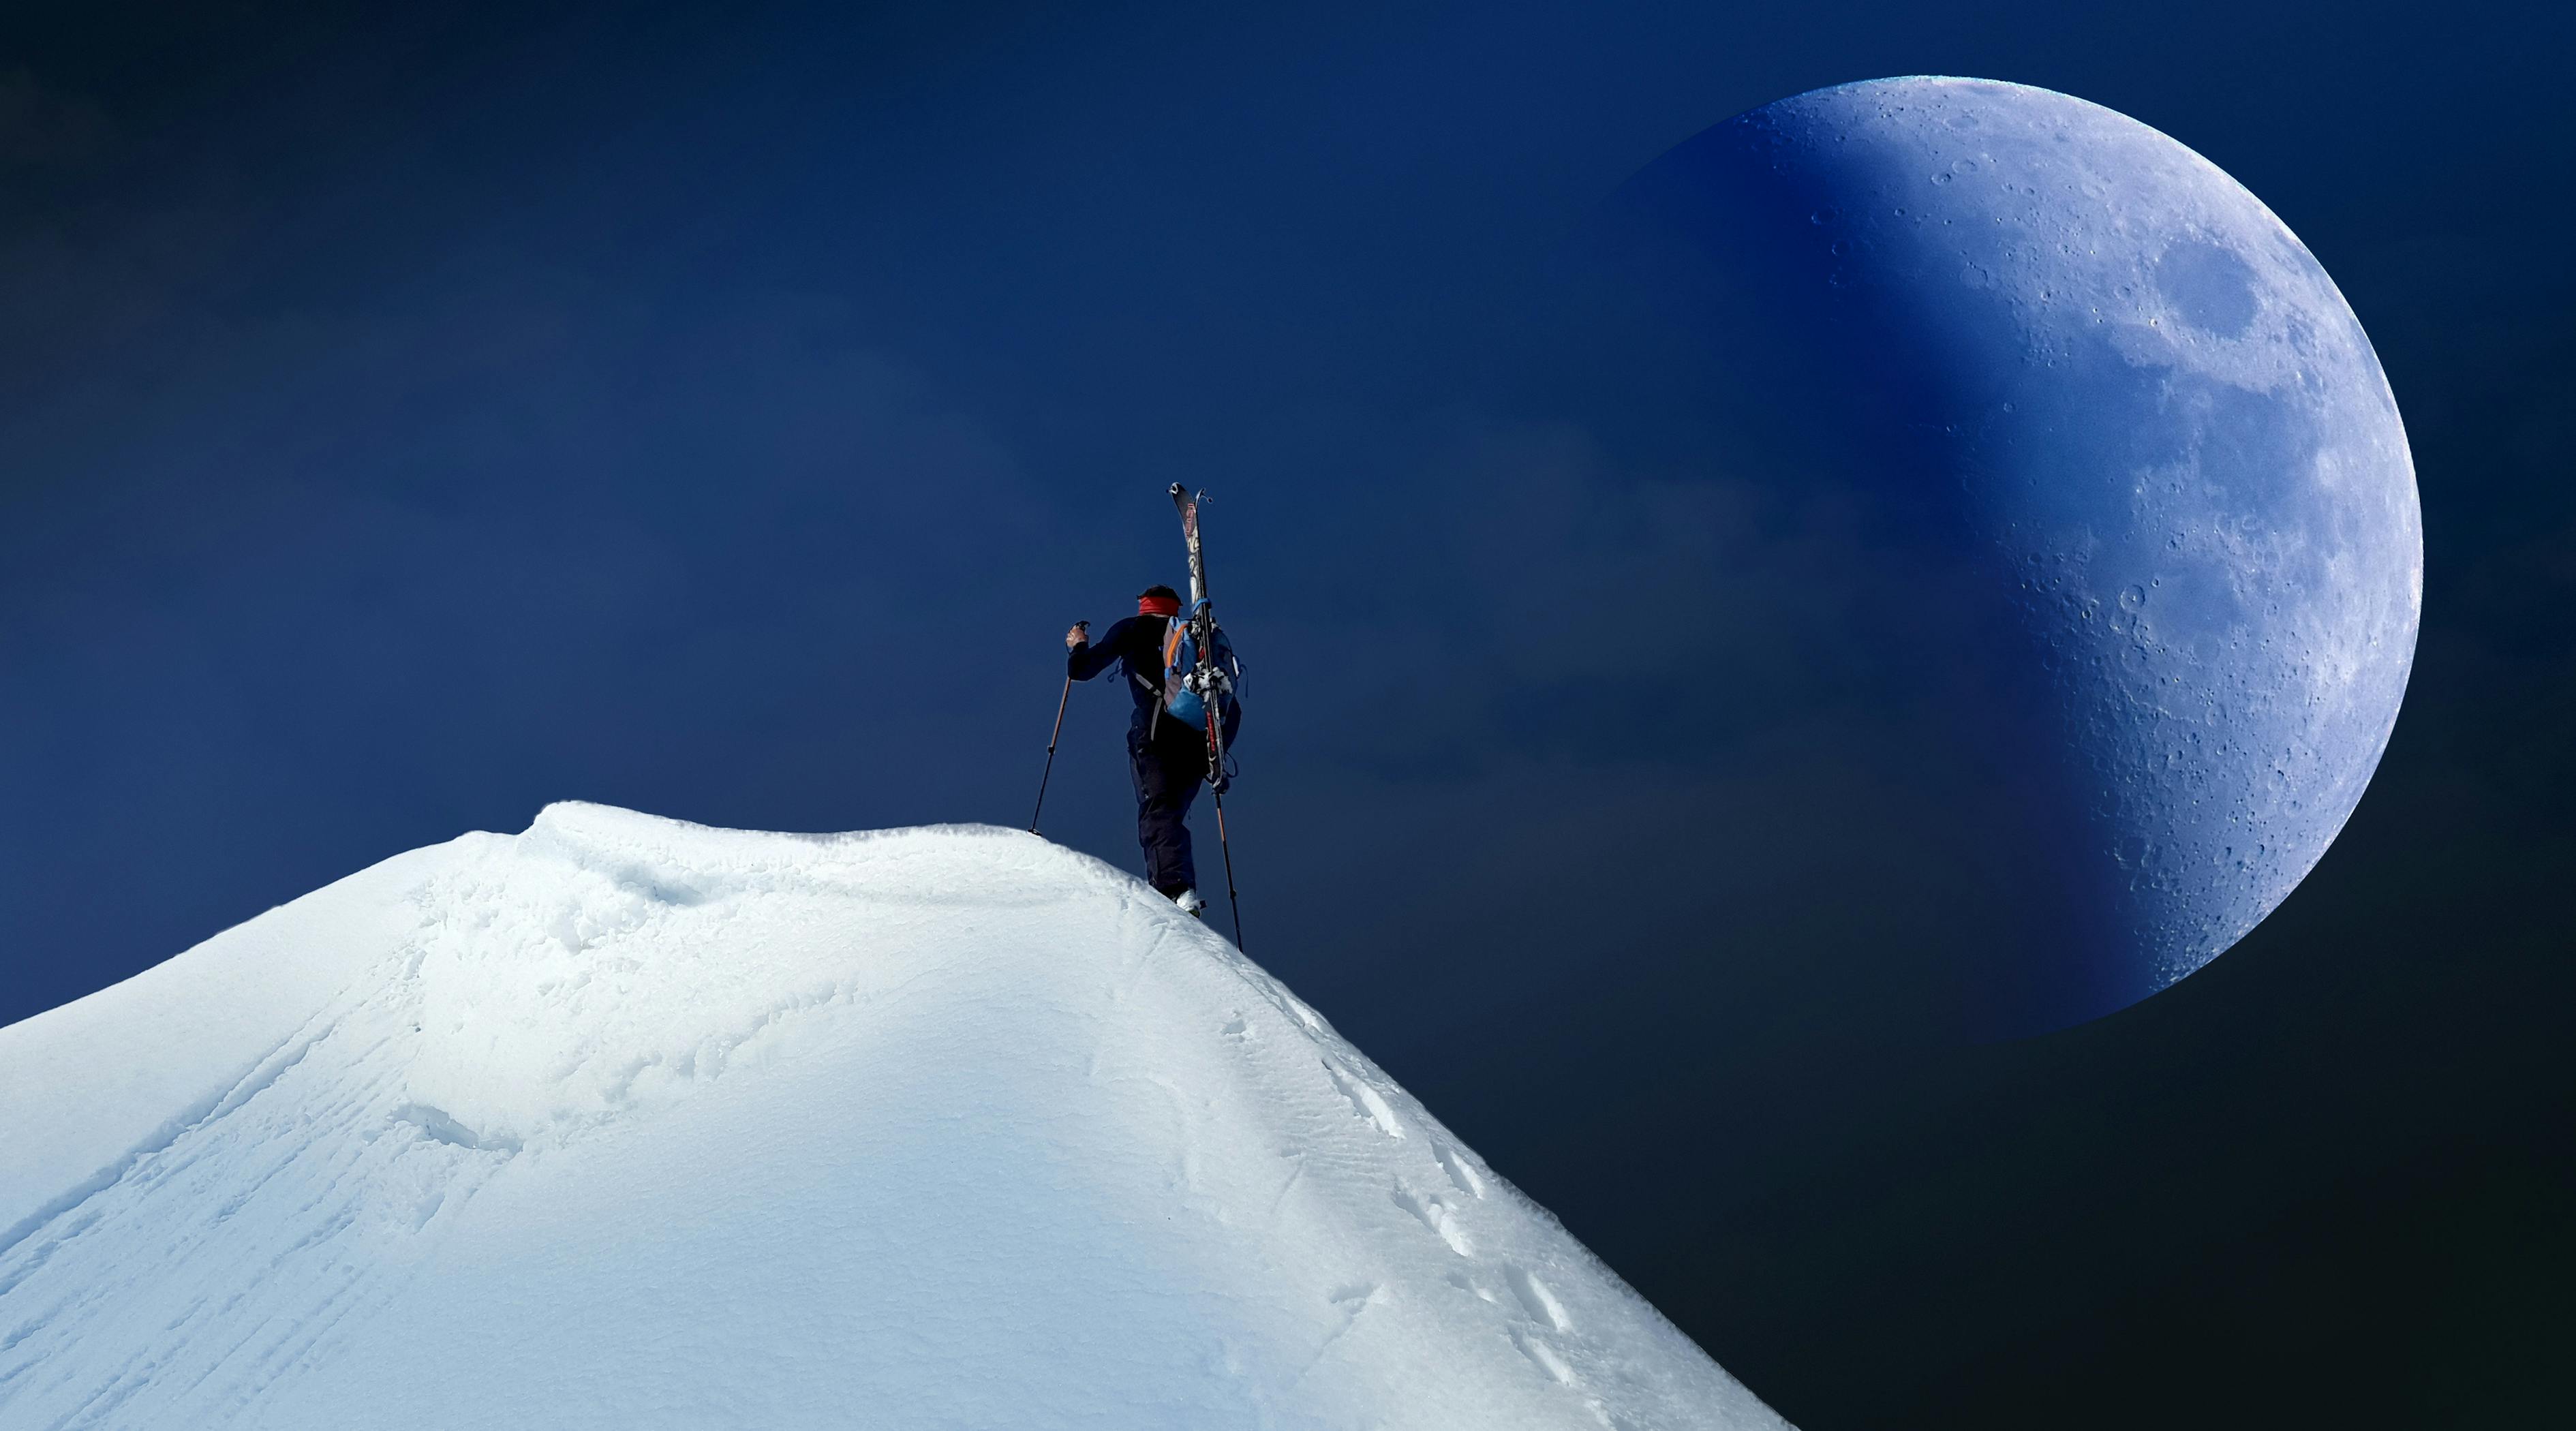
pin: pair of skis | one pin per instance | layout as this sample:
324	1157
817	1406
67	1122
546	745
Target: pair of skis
1210	682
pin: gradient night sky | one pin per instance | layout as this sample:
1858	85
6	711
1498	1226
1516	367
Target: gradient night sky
406	421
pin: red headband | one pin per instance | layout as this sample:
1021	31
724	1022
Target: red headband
1158	606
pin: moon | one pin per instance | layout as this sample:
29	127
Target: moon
2133	453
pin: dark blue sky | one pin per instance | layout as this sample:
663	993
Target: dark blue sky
406	421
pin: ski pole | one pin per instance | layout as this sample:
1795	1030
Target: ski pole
1232	901
1060	703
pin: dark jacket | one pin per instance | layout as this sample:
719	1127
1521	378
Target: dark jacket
1137	645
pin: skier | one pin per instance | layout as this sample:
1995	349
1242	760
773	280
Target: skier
1167	756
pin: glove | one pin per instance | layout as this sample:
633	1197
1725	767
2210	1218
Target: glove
1079	636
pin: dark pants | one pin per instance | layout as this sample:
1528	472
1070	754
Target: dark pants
1168	769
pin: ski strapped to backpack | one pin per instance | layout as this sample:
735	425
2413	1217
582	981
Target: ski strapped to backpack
1200	671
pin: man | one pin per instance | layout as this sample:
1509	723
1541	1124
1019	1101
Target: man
1167	756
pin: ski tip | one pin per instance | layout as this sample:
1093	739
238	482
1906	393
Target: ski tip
1180	493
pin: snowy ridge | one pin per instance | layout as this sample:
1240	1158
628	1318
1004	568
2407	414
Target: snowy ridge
627	1122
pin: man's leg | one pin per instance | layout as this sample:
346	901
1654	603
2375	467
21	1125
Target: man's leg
1184	767
1164	790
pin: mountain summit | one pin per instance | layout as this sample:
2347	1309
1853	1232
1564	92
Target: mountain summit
624	1122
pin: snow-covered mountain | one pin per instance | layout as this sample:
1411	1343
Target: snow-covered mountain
623	1122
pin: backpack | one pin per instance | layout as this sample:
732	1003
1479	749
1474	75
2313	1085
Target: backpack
1181	700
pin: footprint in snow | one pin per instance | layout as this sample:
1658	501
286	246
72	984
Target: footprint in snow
1460	1171
1436	1215
1547	1358
1369	1103
1536	1299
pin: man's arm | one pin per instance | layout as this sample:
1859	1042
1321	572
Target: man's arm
1084	660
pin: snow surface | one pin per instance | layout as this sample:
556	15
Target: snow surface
624	1122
